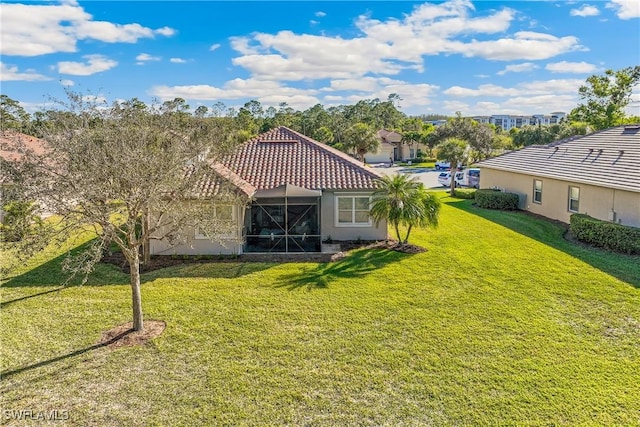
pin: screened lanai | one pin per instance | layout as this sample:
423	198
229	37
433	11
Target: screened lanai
284	219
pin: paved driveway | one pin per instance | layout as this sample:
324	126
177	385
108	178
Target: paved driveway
429	177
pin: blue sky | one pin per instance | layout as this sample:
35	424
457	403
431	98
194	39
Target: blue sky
483	57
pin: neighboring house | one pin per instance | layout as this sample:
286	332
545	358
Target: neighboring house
389	142
392	147
11	146
596	174
298	191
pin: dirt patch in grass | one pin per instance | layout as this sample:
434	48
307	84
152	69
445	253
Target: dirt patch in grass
124	335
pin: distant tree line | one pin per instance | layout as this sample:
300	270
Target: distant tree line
352	128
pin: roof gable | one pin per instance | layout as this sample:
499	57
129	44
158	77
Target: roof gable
609	158
282	156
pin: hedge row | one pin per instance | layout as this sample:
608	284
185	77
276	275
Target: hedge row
495	199
464	193
609	235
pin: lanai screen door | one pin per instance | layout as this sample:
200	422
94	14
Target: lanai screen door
284	219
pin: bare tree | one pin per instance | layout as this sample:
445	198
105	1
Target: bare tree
127	172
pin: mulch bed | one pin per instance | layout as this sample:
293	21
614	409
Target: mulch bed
163	261
124	335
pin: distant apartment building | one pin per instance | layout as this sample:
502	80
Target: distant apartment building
507	121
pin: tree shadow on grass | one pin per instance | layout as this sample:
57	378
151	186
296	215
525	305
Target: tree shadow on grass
354	265
551	233
209	269
9	373
51	274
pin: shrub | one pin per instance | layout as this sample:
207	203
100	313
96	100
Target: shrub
495	199
20	220
464	193
616	237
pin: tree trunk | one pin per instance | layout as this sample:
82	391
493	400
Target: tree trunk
406	239
146	246
398	233
136	297
454	170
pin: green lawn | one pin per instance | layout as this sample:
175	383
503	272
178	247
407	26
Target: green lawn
500	322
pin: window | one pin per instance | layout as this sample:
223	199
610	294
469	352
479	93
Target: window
352	211
411	153
574	199
537	191
222	222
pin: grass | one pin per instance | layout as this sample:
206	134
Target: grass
418	165
501	321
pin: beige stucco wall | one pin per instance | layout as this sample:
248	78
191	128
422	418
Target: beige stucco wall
595	201
234	245
328	221
382	156
223	246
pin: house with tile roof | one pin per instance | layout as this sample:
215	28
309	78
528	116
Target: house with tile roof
13	147
392	147
299	192
388	149
596	174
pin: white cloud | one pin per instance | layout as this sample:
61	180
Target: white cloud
540	104
165	31
144	57
535	88
412	94
94	99
31	30
269	92
11	73
67	82
537	97
178	60
95	64
214	47
518	68
233	89
585	10
524	45
625	9
571	67
320	14
390	46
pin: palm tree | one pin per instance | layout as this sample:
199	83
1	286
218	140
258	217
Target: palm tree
402	200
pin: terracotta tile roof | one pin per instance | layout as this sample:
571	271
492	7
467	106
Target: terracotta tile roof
13	146
220	178
283	156
609	158
389	136
10	139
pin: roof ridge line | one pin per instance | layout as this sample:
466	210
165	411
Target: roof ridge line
334	151
235	179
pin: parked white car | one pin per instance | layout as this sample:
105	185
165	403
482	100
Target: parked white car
468	178
442	165
444	179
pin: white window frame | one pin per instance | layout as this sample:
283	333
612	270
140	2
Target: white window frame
198	235
536	191
571	187
337	222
